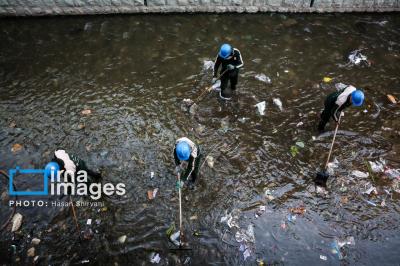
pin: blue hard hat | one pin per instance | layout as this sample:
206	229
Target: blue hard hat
51	168
225	51
183	151
357	98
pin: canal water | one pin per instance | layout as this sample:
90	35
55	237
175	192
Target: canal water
133	73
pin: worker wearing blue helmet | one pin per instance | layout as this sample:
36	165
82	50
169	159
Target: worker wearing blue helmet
187	155
231	60
337	101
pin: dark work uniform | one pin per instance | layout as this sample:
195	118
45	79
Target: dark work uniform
193	168
335	103
231	75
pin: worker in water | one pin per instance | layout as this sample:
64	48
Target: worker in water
231	60
337	101
72	164
187	158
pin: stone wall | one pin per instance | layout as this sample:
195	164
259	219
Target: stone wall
80	7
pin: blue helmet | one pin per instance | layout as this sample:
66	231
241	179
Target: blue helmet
357	98
183	151
225	51
51	168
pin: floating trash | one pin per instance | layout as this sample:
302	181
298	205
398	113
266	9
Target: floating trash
208	64
245	235
391	98
151	194
261	107
175	238
377	166
260	211
359	174
122	239
263	78
300	144
299	124
16	147
231	219
392	173
16	222
356	58
210	161
298	210
294	150
322	257
327	79
245	250
155	258
370	190
86	112
278	103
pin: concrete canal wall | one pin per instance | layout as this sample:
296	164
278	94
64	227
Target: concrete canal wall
81	7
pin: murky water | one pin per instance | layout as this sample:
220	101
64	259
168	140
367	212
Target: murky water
133	72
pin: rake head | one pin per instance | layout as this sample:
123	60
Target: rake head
321	178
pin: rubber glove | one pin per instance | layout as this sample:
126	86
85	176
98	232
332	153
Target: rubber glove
230	67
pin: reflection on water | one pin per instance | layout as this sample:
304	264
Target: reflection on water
133	72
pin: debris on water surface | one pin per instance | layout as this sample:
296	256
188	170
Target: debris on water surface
155	258
247	236
359	174
278	103
298	210
188	101
16	222
86	112
356	58
300	144
245	250
346	241
391	98
89	221
175	238
208	64
291	218
35	241
263	78
327	79
193	109
151	174
260	211
340	86
261	107
377	166
122	239
299	124
392	173
322	257
210	161
31	252
151	194
16	147
231	218
294	150
370	190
